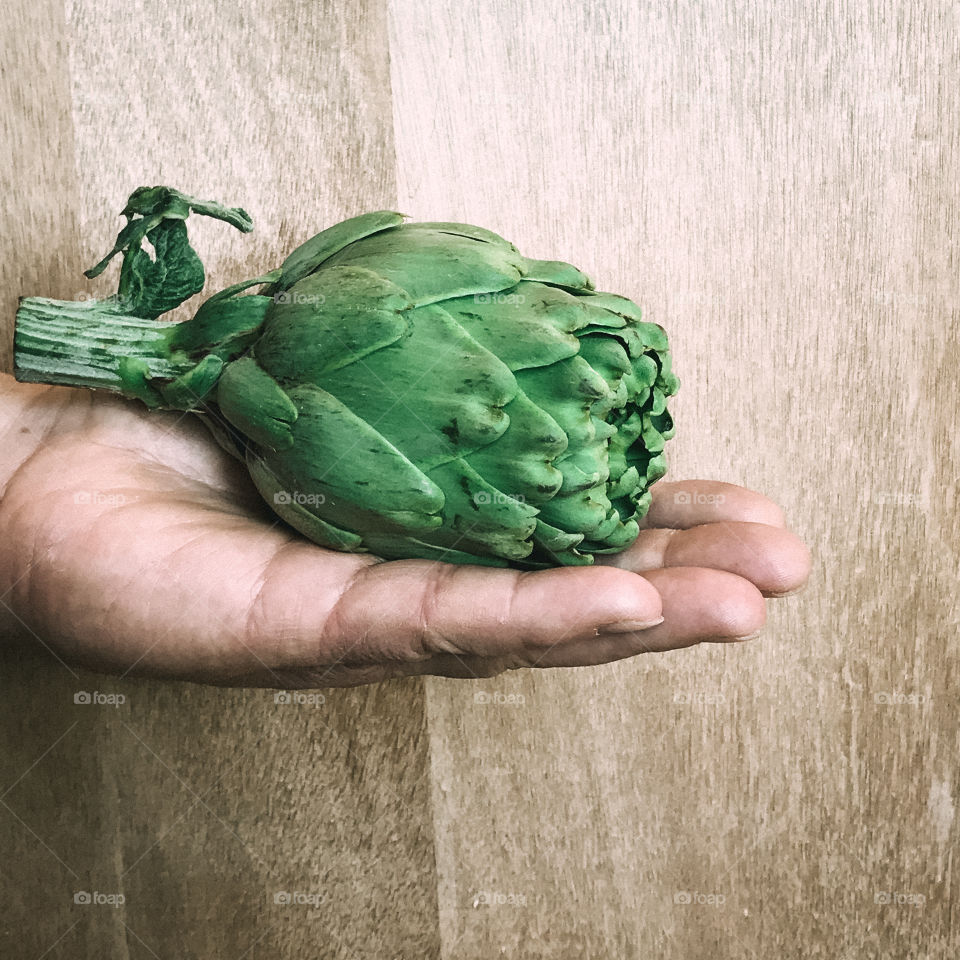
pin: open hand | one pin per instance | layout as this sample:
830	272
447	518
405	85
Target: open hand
130	543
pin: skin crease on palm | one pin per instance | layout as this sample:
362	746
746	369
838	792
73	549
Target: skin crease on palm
131	544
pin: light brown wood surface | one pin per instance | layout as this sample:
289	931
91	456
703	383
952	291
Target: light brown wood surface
779	186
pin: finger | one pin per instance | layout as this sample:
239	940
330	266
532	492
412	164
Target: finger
415	617
699	605
409	610
774	560
692	502
411	617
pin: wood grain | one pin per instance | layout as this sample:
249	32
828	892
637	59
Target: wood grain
201	806
779	186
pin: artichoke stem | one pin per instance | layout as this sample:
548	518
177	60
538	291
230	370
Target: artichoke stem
92	343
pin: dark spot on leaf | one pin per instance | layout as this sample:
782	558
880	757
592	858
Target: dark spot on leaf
452	431
586	388
471	499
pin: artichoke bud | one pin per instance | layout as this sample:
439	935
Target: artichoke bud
407	389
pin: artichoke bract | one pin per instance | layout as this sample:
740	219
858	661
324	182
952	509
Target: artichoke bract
407	389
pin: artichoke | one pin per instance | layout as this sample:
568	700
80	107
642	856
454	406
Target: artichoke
409	389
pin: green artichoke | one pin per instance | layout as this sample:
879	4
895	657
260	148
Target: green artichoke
409	389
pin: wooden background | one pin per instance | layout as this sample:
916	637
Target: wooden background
777	184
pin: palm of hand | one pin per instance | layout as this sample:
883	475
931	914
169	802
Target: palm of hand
131	543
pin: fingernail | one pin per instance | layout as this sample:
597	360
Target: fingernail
751	636
628	626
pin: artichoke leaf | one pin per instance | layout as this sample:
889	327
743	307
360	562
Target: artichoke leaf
623	534
581	512
320	247
553	547
568	389
614	303
557	272
229	293
476	513
520	462
436	394
225	327
643	375
529	325
330	320
432	265
276	492
459	230
256	404
626	484
356	478
650	466
192	388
